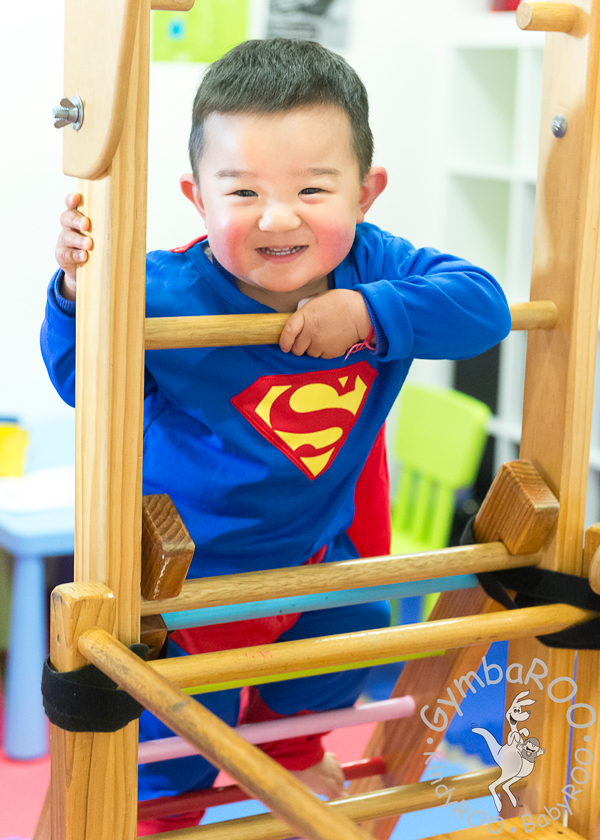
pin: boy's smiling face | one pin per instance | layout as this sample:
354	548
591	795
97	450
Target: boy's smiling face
280	196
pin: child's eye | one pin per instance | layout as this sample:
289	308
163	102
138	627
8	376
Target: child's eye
245	193
311	191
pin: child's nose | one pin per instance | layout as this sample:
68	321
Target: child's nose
278	217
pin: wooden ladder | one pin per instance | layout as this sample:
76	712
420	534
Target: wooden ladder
94	775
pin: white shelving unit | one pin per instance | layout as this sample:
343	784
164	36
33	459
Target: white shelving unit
493	98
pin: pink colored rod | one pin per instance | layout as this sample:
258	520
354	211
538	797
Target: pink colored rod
291	727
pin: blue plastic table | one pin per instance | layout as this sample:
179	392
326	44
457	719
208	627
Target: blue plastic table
30	532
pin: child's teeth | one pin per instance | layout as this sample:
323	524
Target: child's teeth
283	251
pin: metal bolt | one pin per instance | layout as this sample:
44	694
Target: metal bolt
70	112
559	126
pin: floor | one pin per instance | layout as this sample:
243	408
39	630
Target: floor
23	784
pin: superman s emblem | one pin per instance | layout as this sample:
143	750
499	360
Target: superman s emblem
308	416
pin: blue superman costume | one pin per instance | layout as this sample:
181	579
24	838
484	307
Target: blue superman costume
261	451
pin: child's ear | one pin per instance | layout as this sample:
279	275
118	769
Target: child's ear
374	184
191	192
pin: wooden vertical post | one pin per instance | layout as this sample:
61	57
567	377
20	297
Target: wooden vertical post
559	377
586	739
110	361
109	403
77	789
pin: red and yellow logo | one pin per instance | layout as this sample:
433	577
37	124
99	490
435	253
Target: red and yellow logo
308	416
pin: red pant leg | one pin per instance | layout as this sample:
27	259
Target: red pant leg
145	827
297	753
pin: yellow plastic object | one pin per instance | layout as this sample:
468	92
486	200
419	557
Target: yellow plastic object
13	441
440	439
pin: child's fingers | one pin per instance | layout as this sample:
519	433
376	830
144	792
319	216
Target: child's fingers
70	257
73	200
71	239
71	249
291	331
303	343
74	220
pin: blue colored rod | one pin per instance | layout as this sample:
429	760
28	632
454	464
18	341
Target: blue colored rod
305	603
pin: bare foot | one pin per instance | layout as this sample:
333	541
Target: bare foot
326	777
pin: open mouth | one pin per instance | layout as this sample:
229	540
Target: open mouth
281	252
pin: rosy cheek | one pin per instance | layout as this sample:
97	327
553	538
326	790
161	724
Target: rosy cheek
226	239
336	240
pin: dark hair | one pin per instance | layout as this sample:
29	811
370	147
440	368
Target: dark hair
279	74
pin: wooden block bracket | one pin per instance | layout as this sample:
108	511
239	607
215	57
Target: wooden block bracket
519	509
167	548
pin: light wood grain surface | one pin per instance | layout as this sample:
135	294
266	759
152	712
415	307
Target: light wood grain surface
229	330
92	772
559	377
257	773
346	648
172	5
519	509
98	49
167	548
330	577
359	808
548	17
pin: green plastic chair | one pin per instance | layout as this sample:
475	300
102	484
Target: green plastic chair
440	438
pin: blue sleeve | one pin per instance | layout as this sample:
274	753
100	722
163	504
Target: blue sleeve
57	340
429	305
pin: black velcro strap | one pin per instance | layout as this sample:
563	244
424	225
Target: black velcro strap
535	587
87	700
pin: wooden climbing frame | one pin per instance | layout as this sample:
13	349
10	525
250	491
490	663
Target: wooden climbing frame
94	776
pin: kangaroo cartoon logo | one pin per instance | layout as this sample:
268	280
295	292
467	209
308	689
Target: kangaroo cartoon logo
517	757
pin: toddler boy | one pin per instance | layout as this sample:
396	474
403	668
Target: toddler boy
262	448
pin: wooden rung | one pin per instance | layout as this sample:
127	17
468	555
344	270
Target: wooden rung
254	770
361	808
548	17
230	330
330	577
533	315
167	548
519	509
348	649
517	828
214	330
199	800
172	5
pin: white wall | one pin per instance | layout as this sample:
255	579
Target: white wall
397	48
